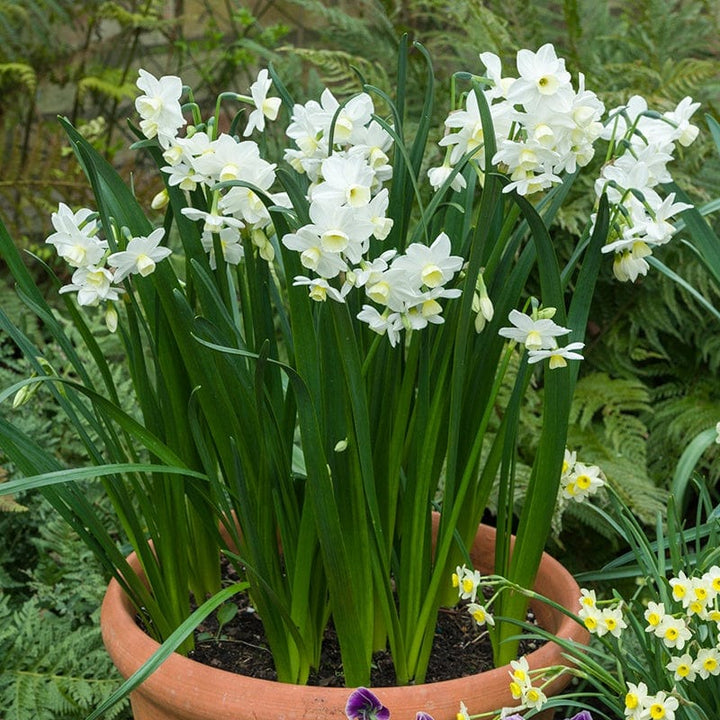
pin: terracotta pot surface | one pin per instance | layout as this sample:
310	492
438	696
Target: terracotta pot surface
183	689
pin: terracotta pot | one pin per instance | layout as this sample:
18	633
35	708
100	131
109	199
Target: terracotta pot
182	689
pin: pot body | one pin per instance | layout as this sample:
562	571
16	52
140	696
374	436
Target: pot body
183	689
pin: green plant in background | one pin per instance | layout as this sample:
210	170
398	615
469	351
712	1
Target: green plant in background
53	663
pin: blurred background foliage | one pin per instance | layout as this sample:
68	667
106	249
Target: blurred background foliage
650	380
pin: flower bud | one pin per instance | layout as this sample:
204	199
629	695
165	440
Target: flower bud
160	200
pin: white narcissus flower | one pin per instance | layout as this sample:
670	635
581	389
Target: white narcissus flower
654	615
75	239
583	480
160	107
140	256
320	289
431	266
213	222
533	697
611	621
707	662
480	614
541	75
674	632
682	667
93	285
345	181
387	323
635	700
534	334
313	255
265	107
469	583
630	264
230	243
685	132
681	588
438	175
662	706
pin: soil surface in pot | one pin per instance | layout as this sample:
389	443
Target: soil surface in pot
460	648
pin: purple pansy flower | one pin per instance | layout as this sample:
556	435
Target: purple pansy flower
582	715
364	705
423	716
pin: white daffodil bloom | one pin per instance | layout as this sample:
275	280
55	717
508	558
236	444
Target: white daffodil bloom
230	243
341	228
226	159
388	323
159	108
542	75
682	667
654	615
470	131
685	133
213	222
75	239
265	107
93	285
534	334
707	662
661	706
674	632
140	256
320	289
431	266
630	264
480	615
345	181
313	255
438	175
558	357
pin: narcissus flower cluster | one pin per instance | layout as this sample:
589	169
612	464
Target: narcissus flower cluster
641	216
543	125
686	628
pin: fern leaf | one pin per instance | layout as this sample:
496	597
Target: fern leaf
337	69
105	88
14	73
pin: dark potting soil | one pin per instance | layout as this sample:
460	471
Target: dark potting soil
460	648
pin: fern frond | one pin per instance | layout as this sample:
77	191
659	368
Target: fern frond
18	74
599	394
337	69
127	19
686	77
106	88
48	672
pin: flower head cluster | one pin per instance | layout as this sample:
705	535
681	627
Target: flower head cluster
641	217
687	632
468	583
343	150
600	621
578	480
198	161
522	688
641	705
537	332
97	272
543	126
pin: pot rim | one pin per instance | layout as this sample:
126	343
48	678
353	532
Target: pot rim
231	691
